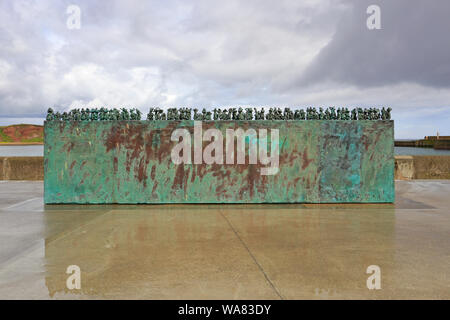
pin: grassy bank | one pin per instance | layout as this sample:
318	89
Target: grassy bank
21	134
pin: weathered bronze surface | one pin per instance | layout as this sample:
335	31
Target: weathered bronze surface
320	161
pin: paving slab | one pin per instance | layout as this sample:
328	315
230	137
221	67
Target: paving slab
293	251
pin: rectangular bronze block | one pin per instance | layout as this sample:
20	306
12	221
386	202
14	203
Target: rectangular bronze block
320	161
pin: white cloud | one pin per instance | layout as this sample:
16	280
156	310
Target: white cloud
207	53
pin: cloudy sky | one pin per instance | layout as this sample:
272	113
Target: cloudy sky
221	53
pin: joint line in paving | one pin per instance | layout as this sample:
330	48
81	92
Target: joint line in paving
20	203
64	234
253	257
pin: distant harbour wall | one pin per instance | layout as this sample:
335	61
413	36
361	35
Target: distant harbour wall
441	144
406	168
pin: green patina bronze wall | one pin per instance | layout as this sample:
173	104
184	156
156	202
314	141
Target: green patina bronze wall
320	161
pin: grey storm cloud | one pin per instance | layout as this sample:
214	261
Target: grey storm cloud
412	46
145	53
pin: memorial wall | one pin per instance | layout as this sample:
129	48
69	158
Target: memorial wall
219	161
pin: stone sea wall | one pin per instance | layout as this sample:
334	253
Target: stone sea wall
21	168
406	168
422	167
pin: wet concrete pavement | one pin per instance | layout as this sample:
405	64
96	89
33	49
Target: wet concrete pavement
226	251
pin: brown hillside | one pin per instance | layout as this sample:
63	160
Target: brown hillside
22	133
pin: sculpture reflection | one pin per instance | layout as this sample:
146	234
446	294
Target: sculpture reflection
210	252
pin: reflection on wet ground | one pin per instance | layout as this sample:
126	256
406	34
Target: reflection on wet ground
226	251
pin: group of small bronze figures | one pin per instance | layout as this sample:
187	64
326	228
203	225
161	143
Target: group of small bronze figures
94	114
245	114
